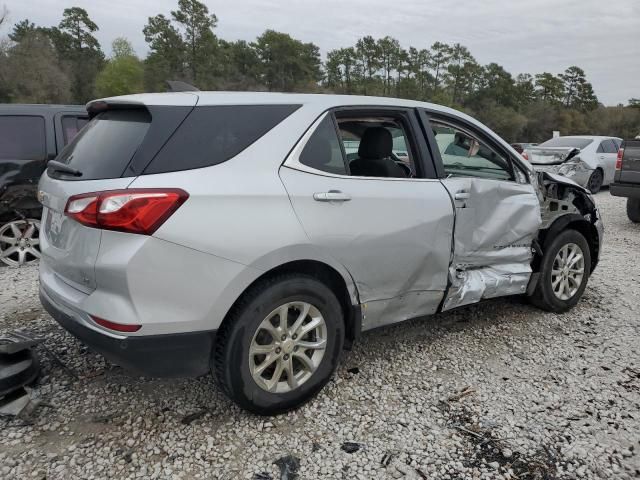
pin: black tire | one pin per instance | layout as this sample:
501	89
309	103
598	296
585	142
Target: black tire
543	296
633	209
231	354
595	181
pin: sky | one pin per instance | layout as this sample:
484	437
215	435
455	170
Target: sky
532	36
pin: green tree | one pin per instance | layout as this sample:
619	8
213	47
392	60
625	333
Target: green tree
123	73
199	41
287	64
389	52
22	29
578	93
79	50
525	90
549	88
634	102
440	57
240	66
461	71
30	72
166	59
368	55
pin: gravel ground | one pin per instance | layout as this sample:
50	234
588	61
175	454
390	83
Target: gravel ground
498	390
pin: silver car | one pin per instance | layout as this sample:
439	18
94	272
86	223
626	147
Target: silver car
587	160
244	233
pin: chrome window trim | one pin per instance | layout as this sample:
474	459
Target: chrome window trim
293	159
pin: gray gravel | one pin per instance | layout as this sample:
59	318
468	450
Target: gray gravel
498	390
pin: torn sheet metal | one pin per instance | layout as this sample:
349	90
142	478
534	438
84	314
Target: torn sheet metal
574	169
472	285
496	223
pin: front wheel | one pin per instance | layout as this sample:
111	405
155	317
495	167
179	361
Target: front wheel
564	272
280	344
633	209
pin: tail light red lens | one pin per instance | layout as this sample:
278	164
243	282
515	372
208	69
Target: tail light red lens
118	327
139	211
525	155
619	159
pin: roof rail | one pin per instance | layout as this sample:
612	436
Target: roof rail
180	86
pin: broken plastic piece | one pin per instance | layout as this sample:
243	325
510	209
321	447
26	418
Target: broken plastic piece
351	447
289	466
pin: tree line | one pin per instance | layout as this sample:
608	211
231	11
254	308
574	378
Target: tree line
65	63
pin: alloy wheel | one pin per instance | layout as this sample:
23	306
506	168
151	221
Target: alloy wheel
567	273
19	242
287	347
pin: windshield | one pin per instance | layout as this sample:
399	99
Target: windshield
572	142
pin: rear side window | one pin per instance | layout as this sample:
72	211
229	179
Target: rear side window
22	138
322	151
104	148
212	135
71	125
608	146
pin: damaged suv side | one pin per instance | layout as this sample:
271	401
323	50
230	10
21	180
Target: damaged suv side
256	234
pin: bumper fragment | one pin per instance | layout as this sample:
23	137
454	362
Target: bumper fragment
171	355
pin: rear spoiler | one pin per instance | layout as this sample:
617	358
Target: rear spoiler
98	106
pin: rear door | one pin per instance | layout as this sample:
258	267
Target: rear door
392	234
497	212
607	155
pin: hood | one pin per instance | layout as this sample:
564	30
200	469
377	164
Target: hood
550	155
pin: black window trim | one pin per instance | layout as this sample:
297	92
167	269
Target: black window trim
426	115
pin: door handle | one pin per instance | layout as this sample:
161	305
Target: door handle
331	196
461	195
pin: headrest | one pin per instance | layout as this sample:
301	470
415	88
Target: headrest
376	142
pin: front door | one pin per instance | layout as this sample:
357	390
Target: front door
497	214
391	232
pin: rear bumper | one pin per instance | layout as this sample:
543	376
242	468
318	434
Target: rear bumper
171	355
625	190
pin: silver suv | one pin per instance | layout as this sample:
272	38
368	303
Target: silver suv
257	234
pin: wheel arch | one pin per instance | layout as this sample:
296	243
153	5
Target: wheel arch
574	222
344	289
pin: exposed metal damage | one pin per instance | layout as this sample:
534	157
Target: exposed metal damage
517	253
502	224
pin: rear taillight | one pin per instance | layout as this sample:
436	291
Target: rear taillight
525	155
118	327
134	211
619	159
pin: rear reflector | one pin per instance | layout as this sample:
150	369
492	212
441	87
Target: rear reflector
118	327
619	159
140	210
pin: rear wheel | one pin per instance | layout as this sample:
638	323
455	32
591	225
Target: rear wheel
595	181
633	209
564	272
280	344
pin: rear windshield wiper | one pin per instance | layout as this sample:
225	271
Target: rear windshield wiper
63	168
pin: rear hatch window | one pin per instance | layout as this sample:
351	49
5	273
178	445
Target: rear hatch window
106	145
